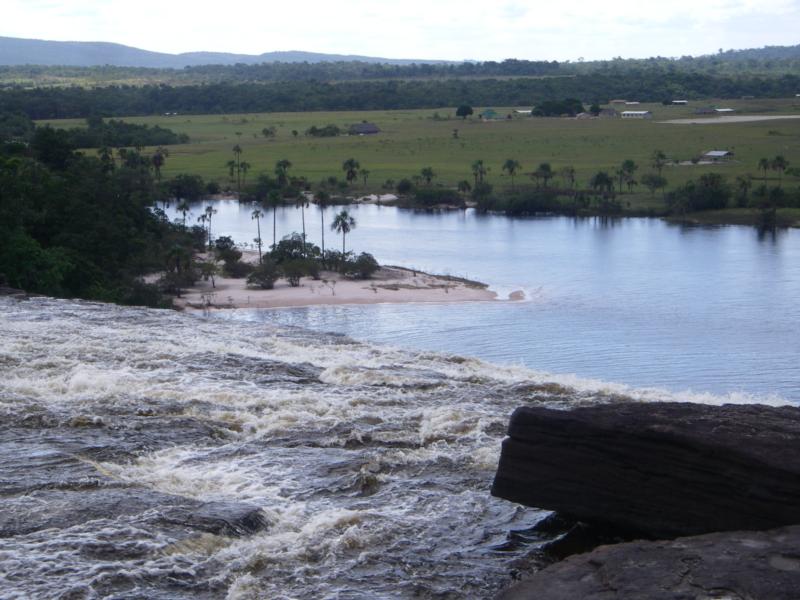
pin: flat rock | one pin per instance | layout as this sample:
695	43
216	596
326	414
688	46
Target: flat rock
660	470
743	565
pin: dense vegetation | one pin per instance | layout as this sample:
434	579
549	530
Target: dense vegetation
114	133
79	226
654	84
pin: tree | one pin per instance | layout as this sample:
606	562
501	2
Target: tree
625	173
274	200
779	164
464	187
265	275
183	208
743	185
343	223
237	153
282	171
231	166
511	166
464	111
763	164
653	182
350	168
301	202
210	212
545	171
427	174
245	167
365	175
568	174
322	200
658	160
478	171
257	214
601	181
158	159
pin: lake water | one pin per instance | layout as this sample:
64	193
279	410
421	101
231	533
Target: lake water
637	302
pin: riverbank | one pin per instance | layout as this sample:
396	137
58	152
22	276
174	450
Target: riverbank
387	285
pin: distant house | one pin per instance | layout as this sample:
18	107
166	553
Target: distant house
718	155
608	113
524	113
637	114
724	110
619	101
631	103
364	129
489	114
680	102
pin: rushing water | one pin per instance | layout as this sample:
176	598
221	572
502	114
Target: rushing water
636	301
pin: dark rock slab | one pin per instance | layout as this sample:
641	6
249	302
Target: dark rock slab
742	565
660	470
221	518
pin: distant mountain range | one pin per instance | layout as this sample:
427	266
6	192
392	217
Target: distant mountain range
19	51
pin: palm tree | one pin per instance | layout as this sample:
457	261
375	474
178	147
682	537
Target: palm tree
282	171
350	168
343	223
545	171
763	164
464	187
658	160
601	180
237	152
107	158
322	199
158	159
273	200
365	175
231	165
478	171
210	212
511	166
245	167
202	220
183	207
568	174
626	172
301	202
257	214
779	164
427	174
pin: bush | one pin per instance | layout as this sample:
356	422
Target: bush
405	186
226	251
237	269
436	196
264	275
293	270
212	187
364	266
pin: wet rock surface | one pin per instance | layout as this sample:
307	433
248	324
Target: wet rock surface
661	470
740	565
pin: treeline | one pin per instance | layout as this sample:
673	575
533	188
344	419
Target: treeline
113	101
79	226
99	133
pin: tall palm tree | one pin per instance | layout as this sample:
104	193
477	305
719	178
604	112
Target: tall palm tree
364	176
231	166
183	207
658	160
568	174
343	223
257	214
158	159
350	168
301	202
202	219
237	152
273	200
322	199
779	164
282	171
511	166
763	164
478	171
427	174
210	212
245	167
545	171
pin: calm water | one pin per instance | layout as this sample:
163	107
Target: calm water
633	301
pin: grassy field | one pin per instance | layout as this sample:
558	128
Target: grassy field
413	139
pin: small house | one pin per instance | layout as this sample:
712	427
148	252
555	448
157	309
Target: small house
718	155
724	111
608	113
364	129
680	102
523	113
631	103
618	101
489	115
637	114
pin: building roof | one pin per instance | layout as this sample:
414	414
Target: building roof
724	110
718	153
364	129
636	112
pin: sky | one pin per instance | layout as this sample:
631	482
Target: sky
426	29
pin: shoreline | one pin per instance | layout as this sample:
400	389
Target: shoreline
389	285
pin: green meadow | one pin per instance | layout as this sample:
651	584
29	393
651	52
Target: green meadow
412	139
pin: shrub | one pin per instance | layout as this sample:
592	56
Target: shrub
435	196
364	266
293	270
405	186
264	275
237	269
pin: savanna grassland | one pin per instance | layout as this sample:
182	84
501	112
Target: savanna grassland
413	139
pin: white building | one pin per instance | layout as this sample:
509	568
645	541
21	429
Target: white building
637	114
680	102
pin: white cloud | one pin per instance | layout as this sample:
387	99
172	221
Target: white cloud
447	29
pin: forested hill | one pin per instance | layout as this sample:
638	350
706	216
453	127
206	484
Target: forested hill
18	51
650	85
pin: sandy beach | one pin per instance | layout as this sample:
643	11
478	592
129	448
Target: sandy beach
388	285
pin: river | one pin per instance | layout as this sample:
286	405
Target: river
637	302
